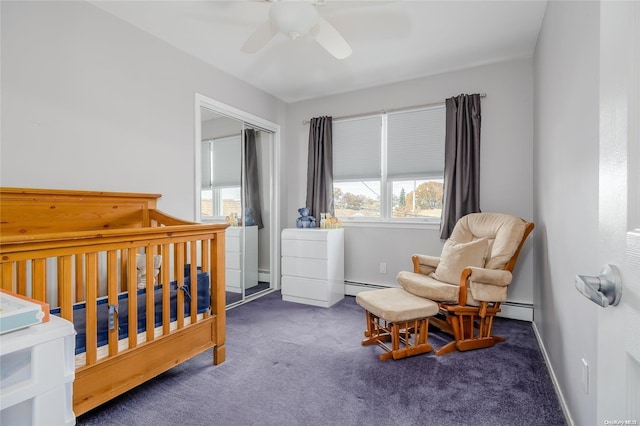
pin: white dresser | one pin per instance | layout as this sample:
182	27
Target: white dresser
313	266
234	254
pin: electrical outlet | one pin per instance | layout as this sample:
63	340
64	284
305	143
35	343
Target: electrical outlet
585	376
383	268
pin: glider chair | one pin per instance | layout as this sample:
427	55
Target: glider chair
470	278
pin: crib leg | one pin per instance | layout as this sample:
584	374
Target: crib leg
219	353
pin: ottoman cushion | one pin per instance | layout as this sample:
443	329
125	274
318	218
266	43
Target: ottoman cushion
396	304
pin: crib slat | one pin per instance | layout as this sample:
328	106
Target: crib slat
132	280
194	280
149	295
123	270
39	279
91	307
112	298
165	271
65	285
79	277
204	252
21	276
7	277
179	251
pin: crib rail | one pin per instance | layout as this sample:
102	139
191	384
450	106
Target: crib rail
89	265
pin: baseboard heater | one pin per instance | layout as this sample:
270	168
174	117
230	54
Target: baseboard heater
513	310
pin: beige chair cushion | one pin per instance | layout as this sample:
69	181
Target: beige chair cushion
458	256
503	231
396	305
432	289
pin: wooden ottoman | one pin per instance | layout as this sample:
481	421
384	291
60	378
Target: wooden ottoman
394	314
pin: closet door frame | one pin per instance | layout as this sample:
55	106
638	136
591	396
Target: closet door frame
202	101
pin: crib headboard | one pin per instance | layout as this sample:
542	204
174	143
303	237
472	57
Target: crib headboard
26	211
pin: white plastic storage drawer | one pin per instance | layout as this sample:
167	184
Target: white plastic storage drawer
37	372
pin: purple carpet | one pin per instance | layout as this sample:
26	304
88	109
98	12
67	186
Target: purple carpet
293	364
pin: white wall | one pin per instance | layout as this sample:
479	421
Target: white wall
566	150
506	163
90	102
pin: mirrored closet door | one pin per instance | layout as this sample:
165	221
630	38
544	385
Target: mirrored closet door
236	187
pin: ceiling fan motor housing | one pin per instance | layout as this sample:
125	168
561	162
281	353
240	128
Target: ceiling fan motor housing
294	19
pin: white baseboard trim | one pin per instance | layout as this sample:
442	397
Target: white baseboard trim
511	310
554	379
517	311
352	288
264	276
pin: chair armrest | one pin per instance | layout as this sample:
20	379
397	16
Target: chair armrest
498	277
424	264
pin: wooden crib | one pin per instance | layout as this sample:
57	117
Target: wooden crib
83	248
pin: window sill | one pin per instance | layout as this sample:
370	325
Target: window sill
389	224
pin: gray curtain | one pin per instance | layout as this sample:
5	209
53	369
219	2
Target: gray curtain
320	167
251	190
461	161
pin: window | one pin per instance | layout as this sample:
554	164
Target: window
390	166
357	167
220	192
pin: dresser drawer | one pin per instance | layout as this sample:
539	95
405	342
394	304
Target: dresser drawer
313	234
305	248
303	267
232	244
305	287
234	231
232	278
232	260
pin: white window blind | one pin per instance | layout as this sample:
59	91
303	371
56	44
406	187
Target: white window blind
415	143
226	162
205	162
357	148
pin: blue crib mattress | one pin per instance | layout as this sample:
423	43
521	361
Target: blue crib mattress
104	317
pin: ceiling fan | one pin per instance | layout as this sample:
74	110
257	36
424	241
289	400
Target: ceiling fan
295	18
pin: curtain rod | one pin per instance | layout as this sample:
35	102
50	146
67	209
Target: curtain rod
482	95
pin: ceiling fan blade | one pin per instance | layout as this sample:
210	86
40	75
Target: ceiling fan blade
331	40
259	38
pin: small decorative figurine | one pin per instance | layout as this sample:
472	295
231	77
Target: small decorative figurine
248	217
233	219
332	222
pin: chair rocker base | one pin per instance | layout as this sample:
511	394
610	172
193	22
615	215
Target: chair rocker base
467	345
399	334
470	327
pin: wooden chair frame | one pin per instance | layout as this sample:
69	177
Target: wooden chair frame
470	326
379	331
